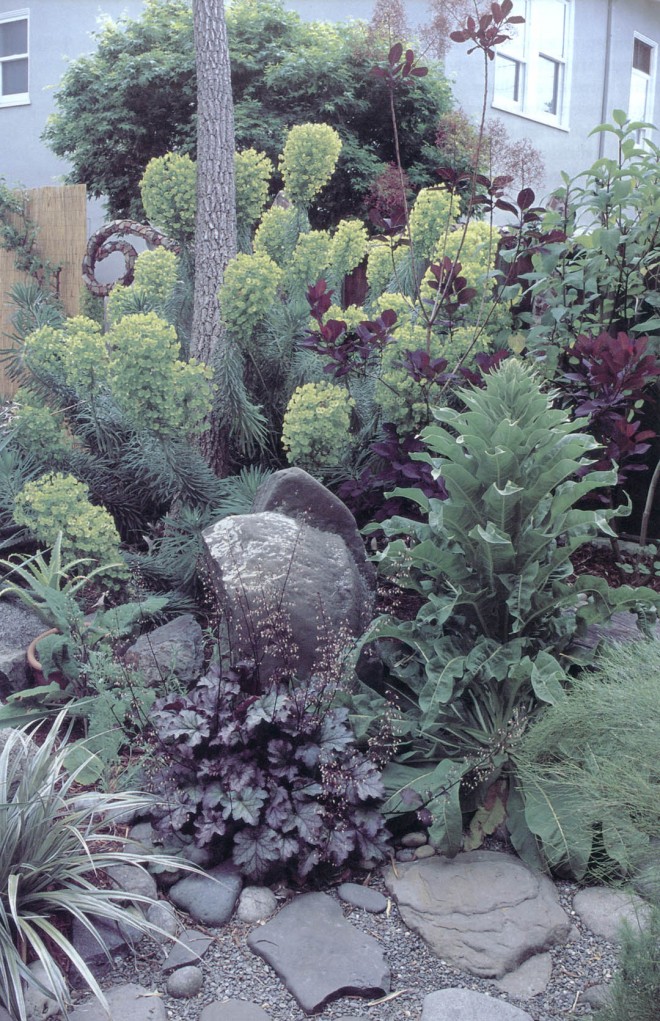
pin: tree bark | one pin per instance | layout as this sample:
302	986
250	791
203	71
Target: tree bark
215	226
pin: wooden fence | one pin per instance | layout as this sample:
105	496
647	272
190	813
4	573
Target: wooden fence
61	217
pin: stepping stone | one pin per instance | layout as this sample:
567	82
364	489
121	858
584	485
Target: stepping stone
319	955
466	1005
604	911
126	1002
209	899
529	980
362	897
233	1010
190	949
483	911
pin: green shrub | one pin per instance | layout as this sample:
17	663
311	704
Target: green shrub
154	389
168	189
248	291
308	161
492	566
253	171
60	503
39	431
635	989
316	428
592	757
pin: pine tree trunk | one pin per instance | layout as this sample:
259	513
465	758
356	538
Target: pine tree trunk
215	228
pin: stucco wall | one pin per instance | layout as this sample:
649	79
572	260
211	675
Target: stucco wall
59	29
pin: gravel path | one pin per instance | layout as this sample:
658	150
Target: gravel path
231	970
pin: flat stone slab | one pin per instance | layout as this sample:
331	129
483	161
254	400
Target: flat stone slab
190	949
466	1005
127	1003
530	979
319	955
482	911
604	911
362	897
211	898
233	1010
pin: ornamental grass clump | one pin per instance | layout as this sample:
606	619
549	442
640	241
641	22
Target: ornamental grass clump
55	848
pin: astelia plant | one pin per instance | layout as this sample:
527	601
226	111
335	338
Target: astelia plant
275	780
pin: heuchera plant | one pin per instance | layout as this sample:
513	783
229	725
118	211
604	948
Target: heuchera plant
274	780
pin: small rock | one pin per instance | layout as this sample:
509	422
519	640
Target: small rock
97	952
162	914
128	1002
529	980
38	1005
425	851
191	947
133	880
604	911
406	854
256	903
19	627
415	839
362	897
233	1010
185	983
596	996
209	898
467	1005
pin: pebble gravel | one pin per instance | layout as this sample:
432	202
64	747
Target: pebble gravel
231	970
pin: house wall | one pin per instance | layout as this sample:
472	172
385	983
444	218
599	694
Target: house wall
63	28
59	29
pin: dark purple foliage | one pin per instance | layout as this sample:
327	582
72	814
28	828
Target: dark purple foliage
346	350
274	780
489	31
393	469
606	380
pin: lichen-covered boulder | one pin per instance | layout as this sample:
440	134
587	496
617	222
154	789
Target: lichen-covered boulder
290	592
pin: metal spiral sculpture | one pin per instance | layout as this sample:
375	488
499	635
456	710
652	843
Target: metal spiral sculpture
100	246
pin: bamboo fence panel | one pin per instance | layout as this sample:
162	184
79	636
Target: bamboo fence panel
61	216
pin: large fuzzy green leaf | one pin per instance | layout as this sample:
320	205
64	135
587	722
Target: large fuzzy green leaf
557	817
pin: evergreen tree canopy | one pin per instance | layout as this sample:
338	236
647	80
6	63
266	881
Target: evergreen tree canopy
135	98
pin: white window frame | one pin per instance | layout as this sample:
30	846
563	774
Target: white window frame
527	50
649	79
16	98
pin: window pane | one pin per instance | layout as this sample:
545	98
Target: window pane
508	79
639	90
550	26
547	86
642	56
14	77
13	37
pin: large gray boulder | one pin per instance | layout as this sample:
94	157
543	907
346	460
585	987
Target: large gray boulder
175	648
18	626
482	911
293	584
